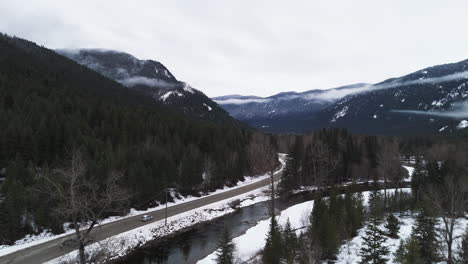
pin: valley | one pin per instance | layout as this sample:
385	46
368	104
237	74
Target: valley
227	132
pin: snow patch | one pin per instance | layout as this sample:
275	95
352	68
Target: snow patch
443	128
463	124
410	173
207	106
166	95
188	88
340	114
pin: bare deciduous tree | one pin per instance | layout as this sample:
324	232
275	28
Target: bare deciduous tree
263	157
262	153
82	200
323	162
448	200
389	165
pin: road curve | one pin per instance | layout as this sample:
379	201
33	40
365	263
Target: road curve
51	249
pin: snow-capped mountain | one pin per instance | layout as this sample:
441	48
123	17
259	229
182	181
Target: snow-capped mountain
279	112
152	78
431	100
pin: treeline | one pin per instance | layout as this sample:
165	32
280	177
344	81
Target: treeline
51	107
333	220
333	156
437	203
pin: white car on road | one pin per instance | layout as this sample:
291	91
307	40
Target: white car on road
146	218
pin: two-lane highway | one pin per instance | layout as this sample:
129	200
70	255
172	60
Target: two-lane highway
51	249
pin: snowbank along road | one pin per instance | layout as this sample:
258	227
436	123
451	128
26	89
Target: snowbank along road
51	249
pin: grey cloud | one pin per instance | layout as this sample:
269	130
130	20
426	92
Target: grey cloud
271	46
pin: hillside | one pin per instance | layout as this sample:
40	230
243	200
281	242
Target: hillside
154	80
428	101
51	106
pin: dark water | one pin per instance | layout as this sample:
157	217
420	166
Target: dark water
196	244
193	245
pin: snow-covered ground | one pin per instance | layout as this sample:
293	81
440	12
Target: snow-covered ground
194	216
349	252
252	241
410	173
121	244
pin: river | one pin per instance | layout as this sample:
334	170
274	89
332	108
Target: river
201	240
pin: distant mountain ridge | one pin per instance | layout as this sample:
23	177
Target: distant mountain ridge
262	111
153	79
428	101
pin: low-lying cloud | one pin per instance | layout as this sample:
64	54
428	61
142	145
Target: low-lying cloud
141	80
431	80
458	111
336	94
238	101
331	95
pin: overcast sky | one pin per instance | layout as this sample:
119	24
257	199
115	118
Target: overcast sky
255	47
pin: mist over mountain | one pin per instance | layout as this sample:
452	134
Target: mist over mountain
151	78
428	101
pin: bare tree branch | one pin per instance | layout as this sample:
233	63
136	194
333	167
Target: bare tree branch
81	199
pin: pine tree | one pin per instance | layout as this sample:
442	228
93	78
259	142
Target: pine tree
320	208
417	179
225	254
288	183
392	226
400	253
413	253
329	237
358	212
324	231
373	251
425	236
463	254
354	213
273	250
376	205
290	242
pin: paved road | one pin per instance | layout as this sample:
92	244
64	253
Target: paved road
51	249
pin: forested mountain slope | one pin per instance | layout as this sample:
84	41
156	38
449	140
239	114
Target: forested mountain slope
51	106
431	101
153	79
